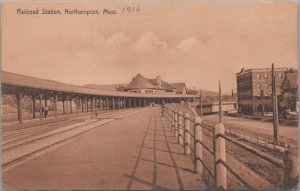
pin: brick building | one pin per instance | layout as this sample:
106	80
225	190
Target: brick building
254	89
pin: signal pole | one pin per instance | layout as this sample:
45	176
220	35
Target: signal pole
275	107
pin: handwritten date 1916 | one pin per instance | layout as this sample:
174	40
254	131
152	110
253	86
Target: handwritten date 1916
131	9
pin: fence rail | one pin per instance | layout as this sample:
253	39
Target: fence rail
180	124
255	138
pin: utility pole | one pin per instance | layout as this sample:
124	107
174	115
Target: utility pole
275	106
220	103
196	94
201	103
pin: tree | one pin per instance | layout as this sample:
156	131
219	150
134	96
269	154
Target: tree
286	101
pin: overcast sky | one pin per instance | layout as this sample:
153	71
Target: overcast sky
196	43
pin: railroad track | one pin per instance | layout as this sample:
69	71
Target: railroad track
37	130
38	126
18	150
43	128
34	135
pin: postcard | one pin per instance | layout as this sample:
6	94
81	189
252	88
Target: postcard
149	95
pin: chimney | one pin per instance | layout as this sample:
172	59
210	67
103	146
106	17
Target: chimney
158	80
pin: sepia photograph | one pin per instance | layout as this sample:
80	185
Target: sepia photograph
149	95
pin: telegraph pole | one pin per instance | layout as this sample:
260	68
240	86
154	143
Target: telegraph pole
201	102
220	103
275	107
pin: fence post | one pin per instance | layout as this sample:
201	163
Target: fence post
265	142
220	156
180	128
173	119
187	136
291	168
176	124
198	145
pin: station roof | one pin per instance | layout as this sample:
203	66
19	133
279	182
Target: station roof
140	82
179	87
164	85
12	79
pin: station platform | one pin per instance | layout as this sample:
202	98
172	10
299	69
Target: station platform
136	152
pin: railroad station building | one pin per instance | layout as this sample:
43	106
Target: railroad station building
31	96
140	84
254	89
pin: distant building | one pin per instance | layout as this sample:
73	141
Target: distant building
140	84
254	89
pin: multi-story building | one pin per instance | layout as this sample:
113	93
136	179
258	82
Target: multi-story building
254	89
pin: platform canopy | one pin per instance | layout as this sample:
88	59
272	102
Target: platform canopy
17	81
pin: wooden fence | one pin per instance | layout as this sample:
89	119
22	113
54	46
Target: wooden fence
181	123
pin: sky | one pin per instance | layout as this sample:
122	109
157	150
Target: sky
196	43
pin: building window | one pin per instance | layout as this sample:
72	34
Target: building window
266	76
257	75
258	86
266	86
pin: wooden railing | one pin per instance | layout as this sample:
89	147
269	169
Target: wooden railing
255	138
180	124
